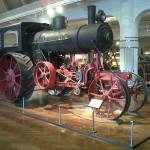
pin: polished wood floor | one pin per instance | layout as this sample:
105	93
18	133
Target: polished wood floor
18	132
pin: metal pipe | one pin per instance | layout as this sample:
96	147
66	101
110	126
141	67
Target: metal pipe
23	105
131	133
93	128
91	14
59	114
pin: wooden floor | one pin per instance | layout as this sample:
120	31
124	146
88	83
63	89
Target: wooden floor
18	132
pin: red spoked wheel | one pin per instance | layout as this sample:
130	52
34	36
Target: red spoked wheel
114	95
138	92
44	75
16	77
10	78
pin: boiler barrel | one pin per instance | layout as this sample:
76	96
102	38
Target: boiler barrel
75	40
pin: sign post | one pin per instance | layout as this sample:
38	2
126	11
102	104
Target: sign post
94	104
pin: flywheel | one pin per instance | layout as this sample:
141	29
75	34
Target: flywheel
44	75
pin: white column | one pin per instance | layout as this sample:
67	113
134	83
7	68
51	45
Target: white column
128	44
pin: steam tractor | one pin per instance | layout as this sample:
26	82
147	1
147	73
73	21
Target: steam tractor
44	55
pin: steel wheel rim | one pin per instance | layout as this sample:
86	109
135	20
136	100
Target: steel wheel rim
138	92
10	78
115	99
44	75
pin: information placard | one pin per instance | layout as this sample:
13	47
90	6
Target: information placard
95	103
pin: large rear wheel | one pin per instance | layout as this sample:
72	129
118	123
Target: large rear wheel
16	77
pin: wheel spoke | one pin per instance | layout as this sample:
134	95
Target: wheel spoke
3	70
43	82
139	86
10	62
101	85
17	75
47	73
109	109
136	86
134	81
16	65
97	95
1	80
46	79
40	70
44	68
40	77
118	103
112	87
14	91
17	84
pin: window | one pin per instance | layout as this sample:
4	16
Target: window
11	39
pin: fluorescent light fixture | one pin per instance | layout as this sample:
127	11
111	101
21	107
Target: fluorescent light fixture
44	20
117	43
50	11
59	9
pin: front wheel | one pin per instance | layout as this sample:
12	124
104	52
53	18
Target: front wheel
113	94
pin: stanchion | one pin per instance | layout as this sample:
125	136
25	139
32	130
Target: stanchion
59	114
93	129
23	112
131	133
23	105
94	103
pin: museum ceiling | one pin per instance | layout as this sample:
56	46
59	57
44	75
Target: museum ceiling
12	12
7	5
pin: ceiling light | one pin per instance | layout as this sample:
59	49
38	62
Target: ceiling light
59	9
50	11
117	43
44	20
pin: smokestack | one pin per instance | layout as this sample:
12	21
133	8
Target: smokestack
91	14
